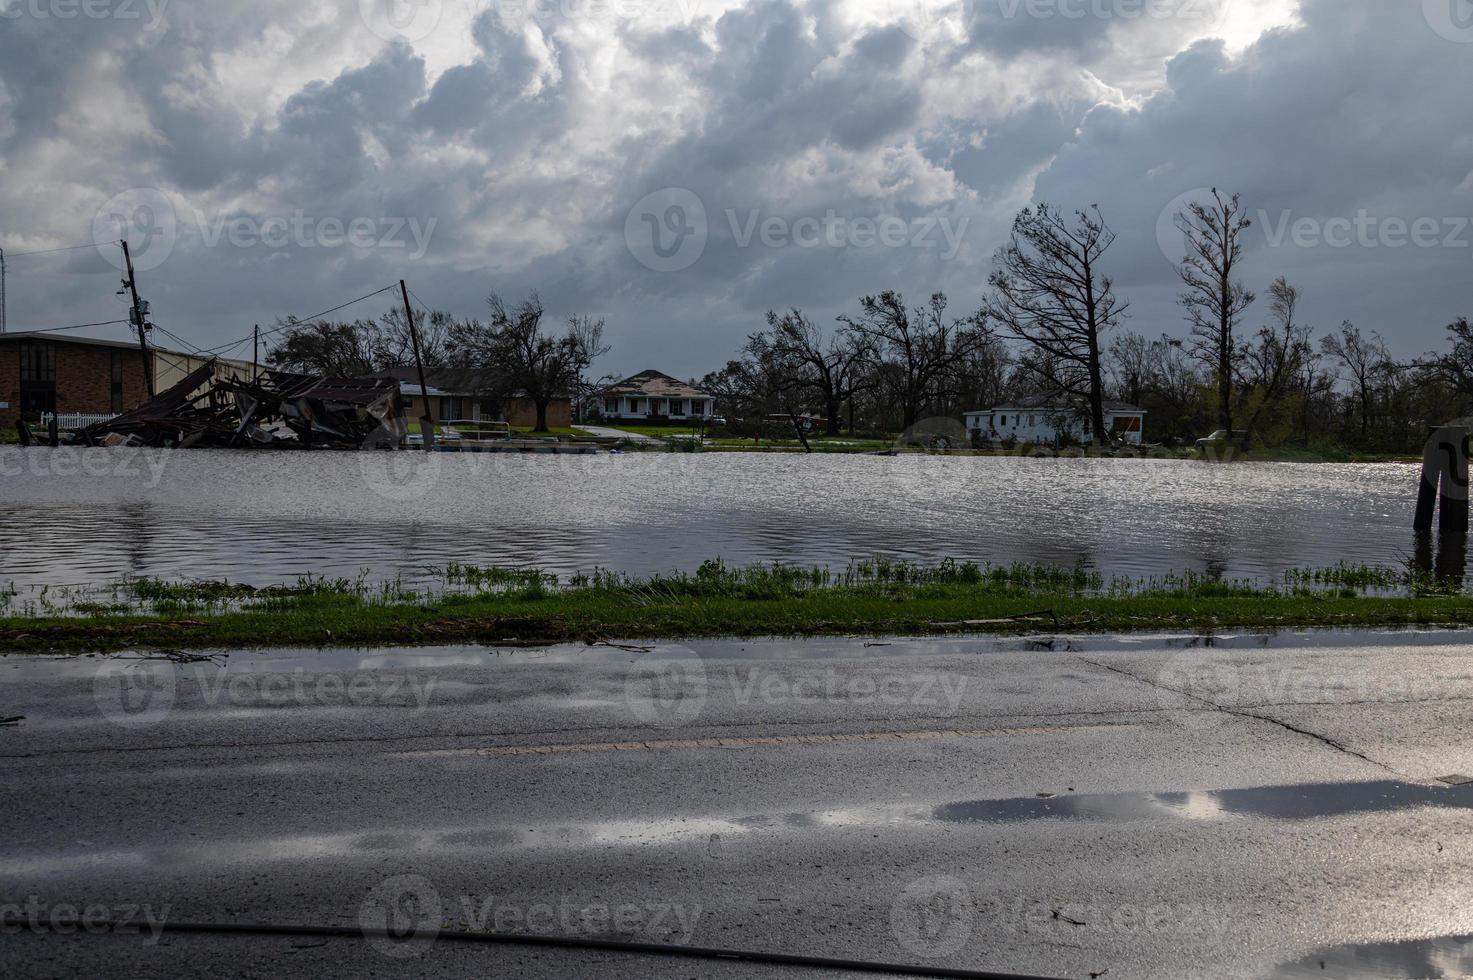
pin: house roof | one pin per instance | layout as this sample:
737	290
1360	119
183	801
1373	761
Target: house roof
132	345
474	382
653	384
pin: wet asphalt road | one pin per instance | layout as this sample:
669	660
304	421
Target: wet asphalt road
1137	808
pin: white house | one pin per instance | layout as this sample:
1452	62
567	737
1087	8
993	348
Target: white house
652	396
1045	421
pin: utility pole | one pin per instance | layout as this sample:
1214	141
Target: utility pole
426	423
139	321
255	353
2	290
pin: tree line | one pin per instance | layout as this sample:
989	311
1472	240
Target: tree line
512	353
1051	323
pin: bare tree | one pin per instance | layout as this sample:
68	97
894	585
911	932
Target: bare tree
920	348
1214	300
831	372
1365	358
1456	366
516	350
1049	291
1272	364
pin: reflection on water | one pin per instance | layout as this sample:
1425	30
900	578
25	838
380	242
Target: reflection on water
270	517
1441	956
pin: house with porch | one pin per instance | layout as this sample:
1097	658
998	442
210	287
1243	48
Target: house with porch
652	396
1040	420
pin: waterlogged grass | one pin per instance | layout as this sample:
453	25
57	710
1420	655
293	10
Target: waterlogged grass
492	604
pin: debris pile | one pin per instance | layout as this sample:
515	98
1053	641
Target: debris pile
277	409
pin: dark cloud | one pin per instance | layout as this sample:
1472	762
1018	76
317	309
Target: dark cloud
525	143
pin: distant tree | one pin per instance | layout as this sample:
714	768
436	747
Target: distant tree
1280	352
1365	358
828	373
1159	376
921	349
340	350
1050	292
1214	299
351	349
1456	366
515	349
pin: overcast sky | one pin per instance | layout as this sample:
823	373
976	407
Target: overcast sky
680	166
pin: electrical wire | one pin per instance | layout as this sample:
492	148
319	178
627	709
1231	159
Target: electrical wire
561	942
75	326
51	251
294	321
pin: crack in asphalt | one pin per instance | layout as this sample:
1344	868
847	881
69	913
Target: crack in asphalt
1245	713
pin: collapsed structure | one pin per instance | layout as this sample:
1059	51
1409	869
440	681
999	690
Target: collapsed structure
277	409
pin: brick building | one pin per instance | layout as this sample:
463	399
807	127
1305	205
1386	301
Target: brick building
65	374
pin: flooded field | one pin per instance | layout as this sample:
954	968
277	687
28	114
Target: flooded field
81	517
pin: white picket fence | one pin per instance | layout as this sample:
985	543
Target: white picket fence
74	420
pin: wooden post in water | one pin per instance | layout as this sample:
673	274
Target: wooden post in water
1444	484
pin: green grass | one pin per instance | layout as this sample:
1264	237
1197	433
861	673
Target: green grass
490	604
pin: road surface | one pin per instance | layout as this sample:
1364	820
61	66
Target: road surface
1138	807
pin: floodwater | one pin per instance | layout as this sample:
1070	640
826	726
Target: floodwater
81	517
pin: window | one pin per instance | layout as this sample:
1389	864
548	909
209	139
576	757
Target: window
1033	420
677	406
37	377
611	405
37	361
116	383
1002	420
634	406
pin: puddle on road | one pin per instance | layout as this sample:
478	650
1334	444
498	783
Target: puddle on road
1442	956
1298	802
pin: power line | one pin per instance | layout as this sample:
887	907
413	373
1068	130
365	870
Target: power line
293	321
52	251
75	326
